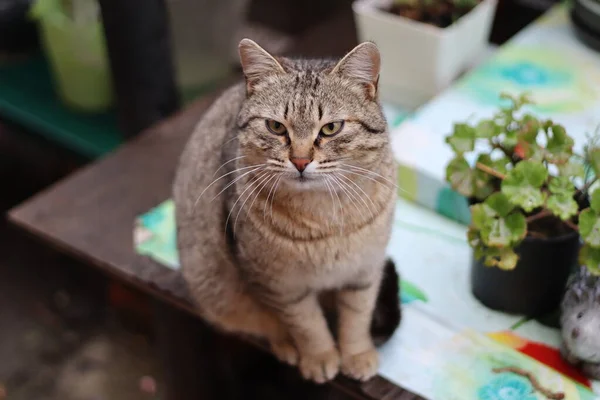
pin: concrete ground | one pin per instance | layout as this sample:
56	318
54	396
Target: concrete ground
58	339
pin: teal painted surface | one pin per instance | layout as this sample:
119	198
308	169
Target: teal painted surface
452	205
28	98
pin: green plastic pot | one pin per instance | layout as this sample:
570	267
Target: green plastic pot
77	55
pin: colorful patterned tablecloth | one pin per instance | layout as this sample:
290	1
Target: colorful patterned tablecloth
448	344
545	59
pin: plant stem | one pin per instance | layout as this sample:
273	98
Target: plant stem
572	225
587	185
536	235
546	213
490	170
535	217
534	382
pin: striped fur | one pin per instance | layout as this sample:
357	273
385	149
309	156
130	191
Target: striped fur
258	240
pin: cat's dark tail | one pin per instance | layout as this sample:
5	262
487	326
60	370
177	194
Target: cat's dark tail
387	314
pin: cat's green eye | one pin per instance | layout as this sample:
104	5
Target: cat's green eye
276	127
332	128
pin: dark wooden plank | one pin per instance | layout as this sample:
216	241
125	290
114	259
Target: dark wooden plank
91	214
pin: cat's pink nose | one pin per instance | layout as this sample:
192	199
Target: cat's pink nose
300	163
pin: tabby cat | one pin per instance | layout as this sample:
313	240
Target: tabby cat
284	192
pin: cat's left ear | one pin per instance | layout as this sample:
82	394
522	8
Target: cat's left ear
362	64
256	63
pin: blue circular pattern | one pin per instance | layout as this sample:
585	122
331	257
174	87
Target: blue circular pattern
507	387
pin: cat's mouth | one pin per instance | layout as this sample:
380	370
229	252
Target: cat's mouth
305	181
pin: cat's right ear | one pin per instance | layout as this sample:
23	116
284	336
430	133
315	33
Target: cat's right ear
256	63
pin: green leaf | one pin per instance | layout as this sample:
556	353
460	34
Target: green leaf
481	215
506	260
502	232
522	185
530	127
517	102
595	200
497	234
534	152
487	129
510	139
503	258
571	169
517	225
460	176
524	99
589	227
590	257
501	164
499	203
593	158
462	139
479	252
560	145
482	181
473	237
563	206
562	185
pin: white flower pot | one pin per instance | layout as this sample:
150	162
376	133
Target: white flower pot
419	60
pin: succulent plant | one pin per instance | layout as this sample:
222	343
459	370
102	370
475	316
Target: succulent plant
524	170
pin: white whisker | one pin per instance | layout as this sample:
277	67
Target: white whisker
273	197
384	184
275	162
269	195
273	179
227	162
346	192
361	189
246	188
359	196
229	141
339	202
259	184
371	172
332	199
237	179
221	177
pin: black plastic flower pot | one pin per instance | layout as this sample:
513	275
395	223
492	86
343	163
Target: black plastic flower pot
535	287
585	18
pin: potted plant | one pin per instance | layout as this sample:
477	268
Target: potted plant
527	212
425	44
72	35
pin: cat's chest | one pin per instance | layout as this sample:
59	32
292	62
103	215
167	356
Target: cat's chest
319	264
340	262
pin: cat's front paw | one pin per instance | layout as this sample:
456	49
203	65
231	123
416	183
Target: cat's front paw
285	351
320	367
362	366
592	370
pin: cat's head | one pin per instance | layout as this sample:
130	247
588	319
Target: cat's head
309	120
